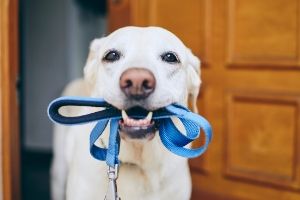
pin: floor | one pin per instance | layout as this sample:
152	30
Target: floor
35	175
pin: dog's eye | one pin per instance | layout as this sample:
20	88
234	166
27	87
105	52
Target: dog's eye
170	57
112	56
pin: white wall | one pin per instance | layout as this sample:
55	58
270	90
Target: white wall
55	37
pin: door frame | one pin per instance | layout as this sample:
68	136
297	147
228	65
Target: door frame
9	115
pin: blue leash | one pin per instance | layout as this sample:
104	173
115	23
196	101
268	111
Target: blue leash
170	136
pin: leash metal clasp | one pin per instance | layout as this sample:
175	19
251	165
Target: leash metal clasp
112	193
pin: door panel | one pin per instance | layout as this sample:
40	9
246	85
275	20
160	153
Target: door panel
263	150
250	91
270	25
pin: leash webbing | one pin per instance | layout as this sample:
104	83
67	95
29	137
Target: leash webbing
170	136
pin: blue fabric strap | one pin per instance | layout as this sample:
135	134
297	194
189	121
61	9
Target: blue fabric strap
170	136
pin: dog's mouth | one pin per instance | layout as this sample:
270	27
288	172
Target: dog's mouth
137	128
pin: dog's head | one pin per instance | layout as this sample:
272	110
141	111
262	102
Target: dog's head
142	68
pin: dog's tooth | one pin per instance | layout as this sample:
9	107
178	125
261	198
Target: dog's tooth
149	116
124	115
131	122
145	122
135	123
126	121
142	122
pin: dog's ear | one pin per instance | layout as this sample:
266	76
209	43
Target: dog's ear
91	66
193	79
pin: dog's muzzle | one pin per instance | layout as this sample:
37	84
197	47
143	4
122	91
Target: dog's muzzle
137	84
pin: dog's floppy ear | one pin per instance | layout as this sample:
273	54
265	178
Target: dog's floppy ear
193	79
91	66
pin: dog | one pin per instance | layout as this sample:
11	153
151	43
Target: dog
144	67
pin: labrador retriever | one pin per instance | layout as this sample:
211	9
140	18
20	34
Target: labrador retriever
145	67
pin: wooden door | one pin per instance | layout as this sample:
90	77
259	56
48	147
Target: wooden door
250	52
9	133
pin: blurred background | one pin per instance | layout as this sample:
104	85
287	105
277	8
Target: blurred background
54	42
250	53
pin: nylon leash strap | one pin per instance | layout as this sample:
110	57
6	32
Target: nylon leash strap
171	137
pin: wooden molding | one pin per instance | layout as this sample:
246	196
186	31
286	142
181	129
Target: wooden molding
9	120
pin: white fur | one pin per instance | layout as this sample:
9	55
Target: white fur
150	171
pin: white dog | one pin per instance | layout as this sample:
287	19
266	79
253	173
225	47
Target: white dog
133	67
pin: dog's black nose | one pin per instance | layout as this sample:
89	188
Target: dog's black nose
137	83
